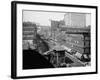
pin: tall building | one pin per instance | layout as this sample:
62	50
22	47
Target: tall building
77	28
75	19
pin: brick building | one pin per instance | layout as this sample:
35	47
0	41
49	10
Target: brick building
29	33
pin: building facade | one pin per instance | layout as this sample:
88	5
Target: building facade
77	27
29	33
75	19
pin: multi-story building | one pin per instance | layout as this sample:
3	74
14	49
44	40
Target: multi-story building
77	39
29	32
75	33
77	28
75	19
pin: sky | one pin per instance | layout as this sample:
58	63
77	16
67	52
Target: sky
43	17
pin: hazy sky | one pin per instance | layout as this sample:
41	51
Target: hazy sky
43	18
